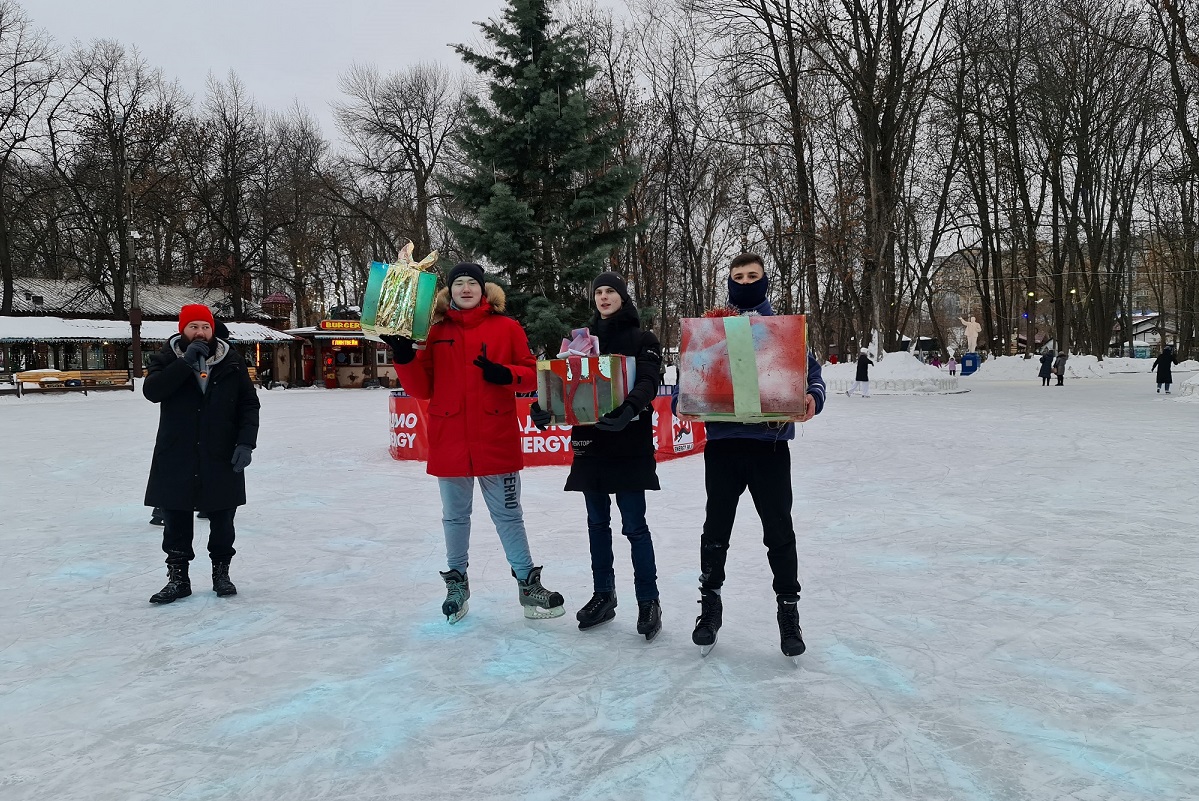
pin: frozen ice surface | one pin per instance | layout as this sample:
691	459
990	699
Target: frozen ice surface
1000	602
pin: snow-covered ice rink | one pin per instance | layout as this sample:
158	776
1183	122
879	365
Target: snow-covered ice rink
1000	602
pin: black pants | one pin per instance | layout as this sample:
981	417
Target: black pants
731	466
1060	378
179	529
1044	380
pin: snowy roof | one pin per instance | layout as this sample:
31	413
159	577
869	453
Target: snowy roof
59	329
77	297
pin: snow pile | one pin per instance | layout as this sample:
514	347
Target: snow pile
1123	364
896	372
1017	368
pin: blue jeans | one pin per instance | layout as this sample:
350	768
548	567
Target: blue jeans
599	529
502	495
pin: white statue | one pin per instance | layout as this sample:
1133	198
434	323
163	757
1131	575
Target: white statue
972	331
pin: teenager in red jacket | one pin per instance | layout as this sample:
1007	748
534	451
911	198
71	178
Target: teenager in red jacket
469	370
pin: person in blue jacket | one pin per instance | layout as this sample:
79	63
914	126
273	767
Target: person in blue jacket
753	456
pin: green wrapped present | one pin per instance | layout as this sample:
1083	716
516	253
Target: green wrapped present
399	297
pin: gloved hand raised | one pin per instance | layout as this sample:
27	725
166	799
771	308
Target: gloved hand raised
541	418
197	351
616	419
402	351
493	372
241	457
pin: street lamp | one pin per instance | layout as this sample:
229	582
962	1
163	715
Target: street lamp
1028	326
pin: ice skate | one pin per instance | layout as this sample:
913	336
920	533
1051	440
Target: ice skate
221	584
538	602
790	634
707	625
600	609
457	592
649	618
178	584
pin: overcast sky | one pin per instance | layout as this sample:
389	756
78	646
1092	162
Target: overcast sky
282	49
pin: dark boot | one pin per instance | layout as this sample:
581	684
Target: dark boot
221	584
457	593
790	634
649	618
707	625
156	517
178	584
600	609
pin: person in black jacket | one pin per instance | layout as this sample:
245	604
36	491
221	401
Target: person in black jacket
616	457
1046	371
861	378
207	429
1164	364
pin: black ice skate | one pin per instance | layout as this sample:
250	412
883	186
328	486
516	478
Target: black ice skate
649	618
600	609
457	591
178	584
221	584
707	625
538	602
156	517
790	634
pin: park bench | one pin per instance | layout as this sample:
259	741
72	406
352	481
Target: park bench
74	380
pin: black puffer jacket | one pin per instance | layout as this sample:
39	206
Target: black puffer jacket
607	461
197	431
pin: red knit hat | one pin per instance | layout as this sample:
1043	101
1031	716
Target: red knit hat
192	312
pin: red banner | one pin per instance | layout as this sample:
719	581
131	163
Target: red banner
410	434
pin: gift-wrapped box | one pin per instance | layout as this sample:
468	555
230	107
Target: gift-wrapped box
399	297
743	369
579	390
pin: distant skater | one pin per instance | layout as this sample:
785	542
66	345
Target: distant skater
862	377
1163	365
1059	367
1046	371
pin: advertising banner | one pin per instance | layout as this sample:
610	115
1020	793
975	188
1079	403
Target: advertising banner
410	434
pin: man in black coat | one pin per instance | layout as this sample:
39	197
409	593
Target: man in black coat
615	457
207	429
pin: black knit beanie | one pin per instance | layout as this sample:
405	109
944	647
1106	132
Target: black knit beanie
615	282
466	268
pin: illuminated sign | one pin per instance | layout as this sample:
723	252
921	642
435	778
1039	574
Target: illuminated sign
340	325
345	343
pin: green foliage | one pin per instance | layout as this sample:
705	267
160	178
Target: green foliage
542	180
546	323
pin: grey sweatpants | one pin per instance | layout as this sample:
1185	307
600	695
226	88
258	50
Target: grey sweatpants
502	495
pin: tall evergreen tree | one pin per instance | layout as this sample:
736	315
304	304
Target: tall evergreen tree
542	180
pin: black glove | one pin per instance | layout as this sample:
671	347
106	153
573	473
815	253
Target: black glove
196	353
402	351
616	419
541	418
241	457
492	372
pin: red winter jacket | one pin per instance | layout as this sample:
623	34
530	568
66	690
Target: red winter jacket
473	429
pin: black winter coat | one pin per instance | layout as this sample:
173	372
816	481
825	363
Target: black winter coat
864	365
1046	365
1164	364
197	431
608	461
